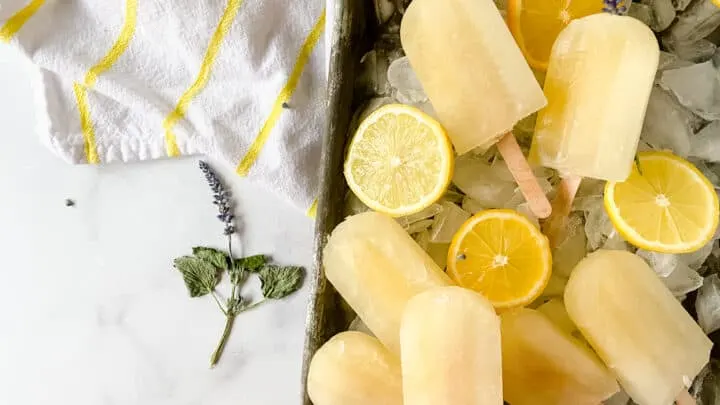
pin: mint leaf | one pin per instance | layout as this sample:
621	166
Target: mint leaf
279	282
238	275
251	263
217	258
200	276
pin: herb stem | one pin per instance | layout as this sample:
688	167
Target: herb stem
217	301
251	306
233	293
223	340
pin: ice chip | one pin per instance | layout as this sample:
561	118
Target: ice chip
447	223
620	398
696	87
706	143
384	9
706	387
644	13
439	253
428	212
699	51
668	125
707	304
524	210
662	263
556	286
663	13
698	21
695	259
471	205
671	61
427	108
403	80
682	280
572	249
597	226
681	5
481	182
353	205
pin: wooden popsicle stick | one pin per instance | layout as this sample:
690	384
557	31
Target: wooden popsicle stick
555	226
684	398
524	176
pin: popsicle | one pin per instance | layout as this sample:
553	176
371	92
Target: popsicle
543	365
377	267
636	326
598	84
450	339
477	80
353	368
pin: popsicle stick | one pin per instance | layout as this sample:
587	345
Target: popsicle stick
555	226
524	177
685	399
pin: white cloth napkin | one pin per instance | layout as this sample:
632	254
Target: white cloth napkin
240	80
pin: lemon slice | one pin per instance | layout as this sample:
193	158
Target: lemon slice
535	24
502	255
400	160
671	207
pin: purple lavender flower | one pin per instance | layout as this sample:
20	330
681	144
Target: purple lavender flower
222	197
618	7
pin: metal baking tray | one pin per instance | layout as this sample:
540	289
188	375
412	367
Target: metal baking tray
351	37
355	30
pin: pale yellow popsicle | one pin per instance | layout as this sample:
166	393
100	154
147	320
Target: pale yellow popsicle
636	326
598	84
450	339
377	267
471	69
543	365
354	369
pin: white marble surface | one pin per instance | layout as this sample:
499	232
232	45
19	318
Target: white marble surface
91	310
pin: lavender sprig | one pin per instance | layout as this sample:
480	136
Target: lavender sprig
618	7
222	198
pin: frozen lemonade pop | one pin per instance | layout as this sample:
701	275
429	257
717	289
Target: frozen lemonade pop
543	365
450	339
636	326
377	267
354	369
598	84
476	78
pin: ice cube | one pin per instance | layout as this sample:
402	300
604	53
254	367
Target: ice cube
663	14
453	196
572	249
358	325
428	212
683	280
670	61
710	172
427	108
707	304
419	226
696	87
403	80
614	241
663	263
681	5
644	13
372	79
479	181
472	206
667	123
384	9
598	227
699	51
706	143
447	223
695	259
423	237
696	22
555	286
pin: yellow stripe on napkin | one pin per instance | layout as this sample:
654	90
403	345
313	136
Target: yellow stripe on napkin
101	67
285	94
203	76
13	25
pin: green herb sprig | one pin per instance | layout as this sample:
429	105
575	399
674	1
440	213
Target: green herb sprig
203	270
